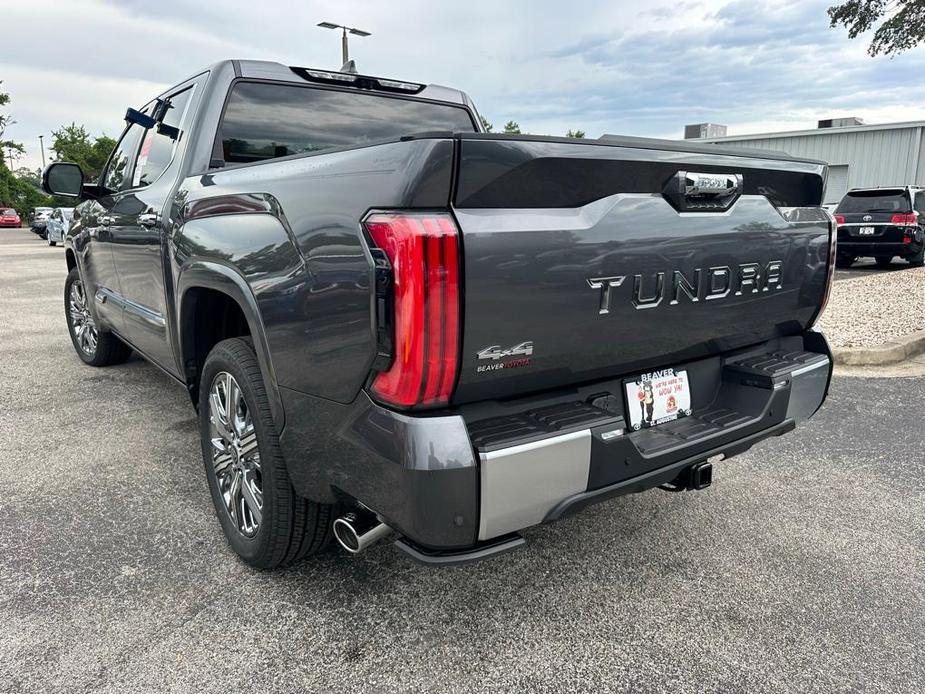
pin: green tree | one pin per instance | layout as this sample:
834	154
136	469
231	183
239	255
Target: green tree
18	192
6	120
575	133
72	143
901	23
21	194
486	124
512	128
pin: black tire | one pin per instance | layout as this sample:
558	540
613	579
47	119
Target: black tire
883	262
108	348
844	261
52	243
290	527
918	260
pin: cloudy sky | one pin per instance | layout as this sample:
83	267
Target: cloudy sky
634	68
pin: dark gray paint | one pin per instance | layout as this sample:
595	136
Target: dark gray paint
301	273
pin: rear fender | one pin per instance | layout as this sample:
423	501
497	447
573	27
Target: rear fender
224	278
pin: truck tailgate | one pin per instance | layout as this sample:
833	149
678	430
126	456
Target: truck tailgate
583	261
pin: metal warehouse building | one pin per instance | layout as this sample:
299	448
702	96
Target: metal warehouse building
859	156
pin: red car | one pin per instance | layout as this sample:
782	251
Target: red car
9	217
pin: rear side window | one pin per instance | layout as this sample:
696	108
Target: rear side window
264	121
875	201
920	201
156	148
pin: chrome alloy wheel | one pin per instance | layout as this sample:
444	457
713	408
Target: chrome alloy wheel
235	456
82	323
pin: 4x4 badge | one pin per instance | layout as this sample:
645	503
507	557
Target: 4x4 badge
495	354
524	349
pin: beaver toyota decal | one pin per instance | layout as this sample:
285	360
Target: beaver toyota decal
657	397
516	357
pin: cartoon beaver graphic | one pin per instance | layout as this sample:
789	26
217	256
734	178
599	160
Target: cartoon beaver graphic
646	401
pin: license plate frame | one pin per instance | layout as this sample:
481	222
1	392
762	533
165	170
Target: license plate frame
656	398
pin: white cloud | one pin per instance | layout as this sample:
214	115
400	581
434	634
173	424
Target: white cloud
637	68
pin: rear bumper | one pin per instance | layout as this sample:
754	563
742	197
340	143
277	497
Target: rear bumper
462	485
891	244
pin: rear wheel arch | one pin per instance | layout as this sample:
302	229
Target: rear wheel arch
216	303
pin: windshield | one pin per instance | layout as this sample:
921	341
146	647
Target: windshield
875	201
9	213
264	121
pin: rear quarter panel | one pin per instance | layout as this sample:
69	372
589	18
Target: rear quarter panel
304	259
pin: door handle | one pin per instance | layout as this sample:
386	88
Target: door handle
148	219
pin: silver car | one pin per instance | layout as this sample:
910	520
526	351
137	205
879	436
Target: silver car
57	224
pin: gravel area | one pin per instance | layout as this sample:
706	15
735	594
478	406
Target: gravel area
869	311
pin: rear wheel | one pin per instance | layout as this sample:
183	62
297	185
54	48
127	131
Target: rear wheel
884	262
266	523
94	346
918	260
844	261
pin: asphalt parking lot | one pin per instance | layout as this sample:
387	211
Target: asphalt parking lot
802	569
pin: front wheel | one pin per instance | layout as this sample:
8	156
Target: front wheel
266	523
94	346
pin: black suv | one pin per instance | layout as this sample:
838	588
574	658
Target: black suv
882	223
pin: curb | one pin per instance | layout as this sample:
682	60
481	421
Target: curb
889	353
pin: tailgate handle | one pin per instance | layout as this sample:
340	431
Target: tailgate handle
693	191
715	185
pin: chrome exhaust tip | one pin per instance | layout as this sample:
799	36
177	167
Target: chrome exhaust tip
355	532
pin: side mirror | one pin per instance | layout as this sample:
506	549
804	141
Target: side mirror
64	179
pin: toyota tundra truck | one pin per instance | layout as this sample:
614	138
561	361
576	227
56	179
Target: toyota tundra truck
395	325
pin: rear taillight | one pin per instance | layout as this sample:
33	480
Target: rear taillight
839	219
423	251
830	268
904	219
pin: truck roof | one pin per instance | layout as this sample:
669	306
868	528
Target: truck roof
270	70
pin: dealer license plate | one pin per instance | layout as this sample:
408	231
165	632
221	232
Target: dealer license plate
657	397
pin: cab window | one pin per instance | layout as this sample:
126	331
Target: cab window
116	177
157	148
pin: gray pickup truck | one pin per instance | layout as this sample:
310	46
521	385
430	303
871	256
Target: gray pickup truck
395	325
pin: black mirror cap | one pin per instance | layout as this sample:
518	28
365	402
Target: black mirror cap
63	178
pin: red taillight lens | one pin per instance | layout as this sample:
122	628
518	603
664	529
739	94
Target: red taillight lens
839	219
905	219
423	250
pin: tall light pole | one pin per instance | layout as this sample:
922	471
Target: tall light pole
345	54
9	151
42	147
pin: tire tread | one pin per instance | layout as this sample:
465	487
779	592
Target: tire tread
300	527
